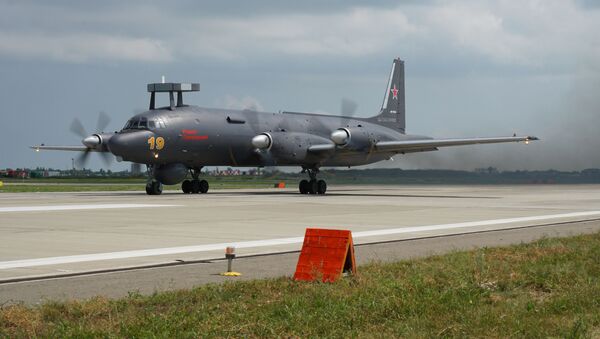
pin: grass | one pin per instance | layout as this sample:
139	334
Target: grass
547	288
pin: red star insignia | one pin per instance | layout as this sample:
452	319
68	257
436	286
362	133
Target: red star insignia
394	92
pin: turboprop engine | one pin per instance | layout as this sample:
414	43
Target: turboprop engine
97	141
285	147
351	138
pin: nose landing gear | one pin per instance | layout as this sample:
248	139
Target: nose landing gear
153	187
312	186
195	185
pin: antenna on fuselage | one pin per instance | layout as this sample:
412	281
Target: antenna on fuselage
171	87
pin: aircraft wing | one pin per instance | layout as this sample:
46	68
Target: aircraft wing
430	144
61	148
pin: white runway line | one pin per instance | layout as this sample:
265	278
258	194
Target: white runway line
271	242
75	207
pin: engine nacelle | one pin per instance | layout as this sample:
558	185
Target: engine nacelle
263	141
170	174
97	141
341	136
354	138
292	147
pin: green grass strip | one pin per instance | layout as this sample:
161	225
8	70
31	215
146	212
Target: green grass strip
550	288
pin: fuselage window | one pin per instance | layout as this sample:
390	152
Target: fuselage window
129	124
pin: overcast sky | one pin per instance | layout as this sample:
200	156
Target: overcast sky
473	68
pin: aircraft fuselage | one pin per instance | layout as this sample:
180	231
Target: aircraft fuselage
198	137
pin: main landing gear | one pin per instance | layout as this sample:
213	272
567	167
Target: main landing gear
312	186
194	186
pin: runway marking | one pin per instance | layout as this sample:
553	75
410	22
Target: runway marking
75	207
270	242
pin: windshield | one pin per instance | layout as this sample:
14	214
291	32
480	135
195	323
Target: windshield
144	123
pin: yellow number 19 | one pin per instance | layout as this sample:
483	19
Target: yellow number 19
158	143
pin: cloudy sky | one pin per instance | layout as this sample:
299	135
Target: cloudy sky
473	68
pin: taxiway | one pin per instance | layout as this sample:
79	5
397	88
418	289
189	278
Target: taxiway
51	242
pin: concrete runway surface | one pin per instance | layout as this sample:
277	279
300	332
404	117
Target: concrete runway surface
77	245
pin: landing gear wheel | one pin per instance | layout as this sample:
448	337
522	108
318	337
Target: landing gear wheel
153	188
195	186
303	186
321	187
186	186
313	186
203	186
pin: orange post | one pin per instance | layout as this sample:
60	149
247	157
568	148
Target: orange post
325	255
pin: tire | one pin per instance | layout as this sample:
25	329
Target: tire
195	186
186	186
313	187
149	189
321	187
156	188
303	186
203	186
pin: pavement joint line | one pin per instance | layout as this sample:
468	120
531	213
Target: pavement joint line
47	208
270	242
249	256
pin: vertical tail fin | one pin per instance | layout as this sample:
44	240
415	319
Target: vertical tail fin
393	114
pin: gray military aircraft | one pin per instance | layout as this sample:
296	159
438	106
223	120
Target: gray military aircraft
179	139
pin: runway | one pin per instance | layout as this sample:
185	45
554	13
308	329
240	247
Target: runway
66	234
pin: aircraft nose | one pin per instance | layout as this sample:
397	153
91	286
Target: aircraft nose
124	144
117	144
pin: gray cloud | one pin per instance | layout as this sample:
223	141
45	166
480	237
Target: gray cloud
501	33
82	47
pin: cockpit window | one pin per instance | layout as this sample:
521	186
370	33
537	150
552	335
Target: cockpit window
144	123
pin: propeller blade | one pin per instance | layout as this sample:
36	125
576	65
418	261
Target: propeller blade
107	158
255	122
267	158
82	159
78	129
103	121
257	126
348	108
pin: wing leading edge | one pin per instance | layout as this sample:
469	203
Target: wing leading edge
61	148
429	144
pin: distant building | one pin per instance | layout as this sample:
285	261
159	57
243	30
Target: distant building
136	169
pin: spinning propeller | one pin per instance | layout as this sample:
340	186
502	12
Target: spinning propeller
94	141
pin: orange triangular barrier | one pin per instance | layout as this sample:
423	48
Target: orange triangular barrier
325	255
